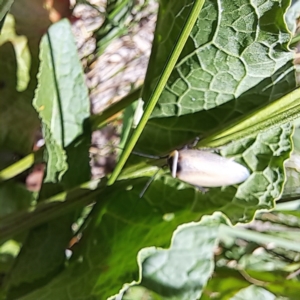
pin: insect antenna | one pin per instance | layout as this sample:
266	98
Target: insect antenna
148	155
141	194
157	157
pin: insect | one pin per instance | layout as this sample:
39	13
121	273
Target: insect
205	169
201	169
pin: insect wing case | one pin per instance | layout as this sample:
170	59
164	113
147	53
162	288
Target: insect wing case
206	169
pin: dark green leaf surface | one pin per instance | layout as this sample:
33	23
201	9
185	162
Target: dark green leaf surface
254	292
120	221
18	120
263	155
129	224
13	197
22	53
161	135
19	64
63	105
233	47
41	257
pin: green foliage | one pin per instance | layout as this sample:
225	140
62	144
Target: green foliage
4	8
230	82
117	11
62	110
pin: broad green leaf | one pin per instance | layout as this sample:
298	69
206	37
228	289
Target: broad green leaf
61	98
139	292
202	118
121	223
49	237
183	270
164	134
8	251
18	120
263	155
63	105
292	16
127	223
121	220
182	38
60	204
234	46
20	44
78	161
41	257
254	292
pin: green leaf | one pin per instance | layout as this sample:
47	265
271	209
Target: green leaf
120	224
223	58
18	120
254	292
183	270
225	283
78	161
63	104
292	16
263	155
4	7
120	220
47	210
182	37
49	236
41	257
20	44
62	97
8	251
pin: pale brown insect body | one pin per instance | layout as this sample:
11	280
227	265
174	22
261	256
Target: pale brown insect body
205	169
